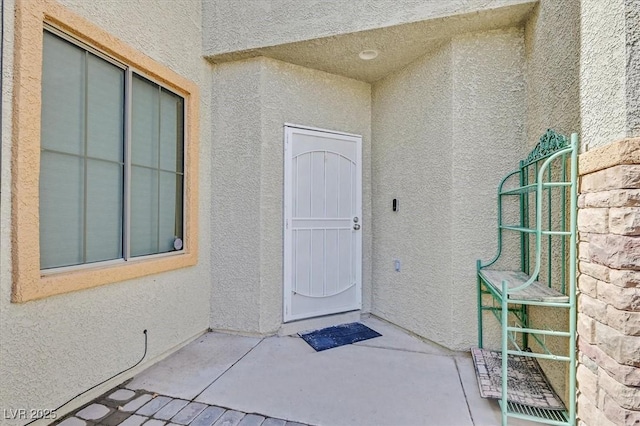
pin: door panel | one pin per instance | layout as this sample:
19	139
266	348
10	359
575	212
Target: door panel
323	220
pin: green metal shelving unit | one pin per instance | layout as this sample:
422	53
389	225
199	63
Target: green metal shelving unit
544	187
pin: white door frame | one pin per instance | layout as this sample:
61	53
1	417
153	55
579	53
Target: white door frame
289	130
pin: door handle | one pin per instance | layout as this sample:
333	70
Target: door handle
356	226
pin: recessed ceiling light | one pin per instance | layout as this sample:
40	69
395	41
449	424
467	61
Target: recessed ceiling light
369	54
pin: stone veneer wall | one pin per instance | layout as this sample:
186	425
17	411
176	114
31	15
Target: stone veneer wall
609	285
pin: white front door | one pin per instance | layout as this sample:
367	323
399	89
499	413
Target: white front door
322	223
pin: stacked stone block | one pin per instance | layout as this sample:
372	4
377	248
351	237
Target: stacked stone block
609	285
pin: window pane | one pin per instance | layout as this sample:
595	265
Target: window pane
170	210
104	210
61	210
145	122
171	117
80	91
156	190
63	72
105	109
144	211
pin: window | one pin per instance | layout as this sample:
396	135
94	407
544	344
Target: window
104	157
111	165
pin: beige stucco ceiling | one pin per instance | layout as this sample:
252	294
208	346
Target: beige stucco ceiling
397	45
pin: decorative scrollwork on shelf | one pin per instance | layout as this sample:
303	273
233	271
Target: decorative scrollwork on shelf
549	143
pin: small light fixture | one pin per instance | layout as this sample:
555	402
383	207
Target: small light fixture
369	54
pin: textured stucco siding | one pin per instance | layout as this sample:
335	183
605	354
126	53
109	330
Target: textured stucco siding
602	72
552	41
488	139
234	25
609	70
254	99
445	130
54	348
235	202
411	158
632	29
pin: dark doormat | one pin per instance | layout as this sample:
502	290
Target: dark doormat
339	335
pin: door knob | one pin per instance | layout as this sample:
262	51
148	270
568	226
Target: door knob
356	226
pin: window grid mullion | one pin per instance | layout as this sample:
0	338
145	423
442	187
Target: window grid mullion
85	152
89	157
142	166
158	170
126	229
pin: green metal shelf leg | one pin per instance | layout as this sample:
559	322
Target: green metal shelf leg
572	280
479	305
505	348
525	320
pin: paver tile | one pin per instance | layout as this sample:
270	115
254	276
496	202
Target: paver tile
188	413
93	412
153	406
251	420
273	422
230	418
294	424
154	422
72	421
133	405
115	418
170	409
134	420
208	416
122	395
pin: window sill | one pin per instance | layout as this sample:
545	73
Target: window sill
55	283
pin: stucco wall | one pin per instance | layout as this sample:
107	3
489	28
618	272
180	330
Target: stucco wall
445	130
632	30
552	42
602	72
235	202
411	158
609	76
253	100
488	140
233	25
54	348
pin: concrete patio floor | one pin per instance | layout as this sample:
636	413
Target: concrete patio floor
223	379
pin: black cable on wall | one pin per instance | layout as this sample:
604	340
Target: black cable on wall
102	382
